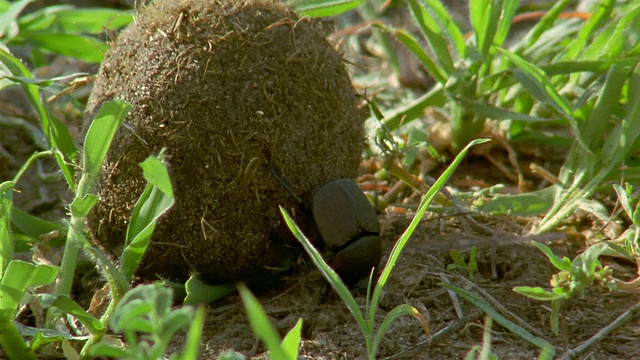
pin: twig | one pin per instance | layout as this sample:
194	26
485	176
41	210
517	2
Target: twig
627	315
453	296
8	156
476	225
499	307
413	353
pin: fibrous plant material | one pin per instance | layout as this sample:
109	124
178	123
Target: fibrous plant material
237	92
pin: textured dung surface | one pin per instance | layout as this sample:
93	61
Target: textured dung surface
230	88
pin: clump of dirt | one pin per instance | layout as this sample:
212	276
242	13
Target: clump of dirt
239	93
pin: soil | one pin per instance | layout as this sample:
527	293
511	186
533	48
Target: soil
505	259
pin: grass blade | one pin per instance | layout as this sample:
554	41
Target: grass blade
596	66
8	19
411	43
326	270
443	17
504	22
600	118
485	17
424	204
56	133
323	8
291	342
613	40
493	112
261	325
434	36
631	124
192	346
526	204
400	310
546	22
489	310
6	241
602	12
536	81
403	115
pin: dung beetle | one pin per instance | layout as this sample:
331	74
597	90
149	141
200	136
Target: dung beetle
349	227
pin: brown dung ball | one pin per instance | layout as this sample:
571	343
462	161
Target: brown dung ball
235	91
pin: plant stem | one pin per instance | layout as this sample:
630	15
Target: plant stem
27	163
13	344
64	282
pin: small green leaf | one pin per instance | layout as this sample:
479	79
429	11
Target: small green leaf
41	338
525	204
174	321
200	293
156	173
457	257
18	277
71	307
537	293
560	264
152	204
81	47
71	20
33	226
100	134
102	350
416	139
141	309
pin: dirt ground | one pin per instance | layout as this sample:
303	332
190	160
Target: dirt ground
506	259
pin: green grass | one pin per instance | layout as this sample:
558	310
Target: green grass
366	319
568	83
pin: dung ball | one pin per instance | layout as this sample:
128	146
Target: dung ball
246	97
